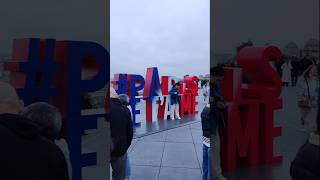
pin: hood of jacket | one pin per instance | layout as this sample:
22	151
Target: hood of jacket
116	101
20	125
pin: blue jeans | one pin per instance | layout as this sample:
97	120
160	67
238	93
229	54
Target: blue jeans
128	168
118	165
206	162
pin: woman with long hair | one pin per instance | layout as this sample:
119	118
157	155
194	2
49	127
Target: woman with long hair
307	92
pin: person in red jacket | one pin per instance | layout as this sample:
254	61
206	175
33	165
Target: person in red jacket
191	83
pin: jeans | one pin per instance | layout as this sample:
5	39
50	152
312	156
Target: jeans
216	171
118	165
174	111
128	168
206	163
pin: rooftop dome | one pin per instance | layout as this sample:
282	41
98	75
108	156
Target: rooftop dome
312	43
291	49
312	48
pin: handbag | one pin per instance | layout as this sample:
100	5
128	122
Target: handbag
305	103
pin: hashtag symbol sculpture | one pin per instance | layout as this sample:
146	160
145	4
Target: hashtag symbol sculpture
121	83
32	69
43	69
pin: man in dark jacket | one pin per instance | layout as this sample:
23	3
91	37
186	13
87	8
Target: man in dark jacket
217	126
24	152
121	135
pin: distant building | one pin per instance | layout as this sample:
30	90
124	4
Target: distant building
291	49
222	59
311	48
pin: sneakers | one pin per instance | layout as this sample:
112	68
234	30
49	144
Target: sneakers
174	119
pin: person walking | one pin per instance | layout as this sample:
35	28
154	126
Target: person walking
286	72
174	101
307	93
25	153
121	135
217	106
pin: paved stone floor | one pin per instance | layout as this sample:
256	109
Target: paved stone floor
169	155
146	128
176	154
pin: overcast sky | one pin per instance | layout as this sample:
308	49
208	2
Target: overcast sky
84	20
172	35
263	21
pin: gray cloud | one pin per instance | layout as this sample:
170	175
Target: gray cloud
273	21
61	19
172	35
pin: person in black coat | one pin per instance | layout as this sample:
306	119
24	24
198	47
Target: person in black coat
49	121
306	164
121	136
217	107
125	100
25	153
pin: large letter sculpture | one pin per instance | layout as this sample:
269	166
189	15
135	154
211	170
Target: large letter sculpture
155	94
250	115
151	93
49	70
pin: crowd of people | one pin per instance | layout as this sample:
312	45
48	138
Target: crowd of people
33	149
290	68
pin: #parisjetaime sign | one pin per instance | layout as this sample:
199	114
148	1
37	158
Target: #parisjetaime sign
51	71
156	94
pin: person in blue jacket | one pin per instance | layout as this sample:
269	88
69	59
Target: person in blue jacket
174	101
